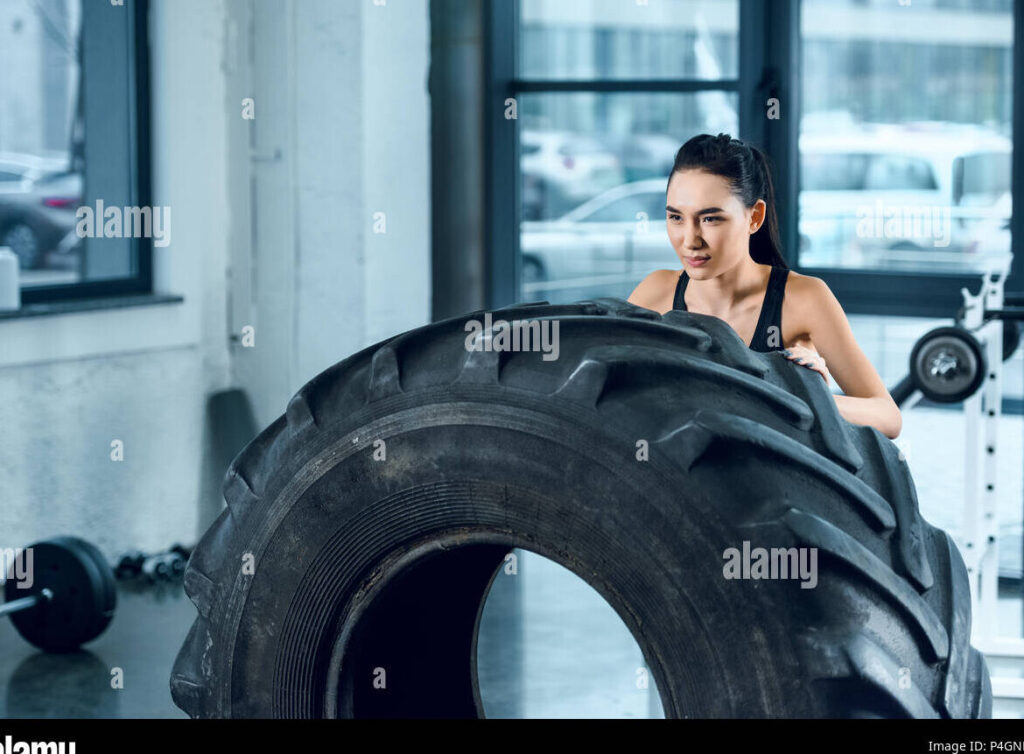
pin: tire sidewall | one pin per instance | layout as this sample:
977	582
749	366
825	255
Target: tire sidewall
469	471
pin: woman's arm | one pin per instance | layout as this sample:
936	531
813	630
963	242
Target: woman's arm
882	413
866	399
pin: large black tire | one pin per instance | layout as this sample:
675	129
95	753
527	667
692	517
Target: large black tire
375	571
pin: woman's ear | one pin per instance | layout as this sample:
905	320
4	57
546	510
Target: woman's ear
757	213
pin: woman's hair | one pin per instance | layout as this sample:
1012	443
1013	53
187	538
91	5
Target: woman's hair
749	175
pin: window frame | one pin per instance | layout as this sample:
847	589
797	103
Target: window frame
769	66
137	111
501	140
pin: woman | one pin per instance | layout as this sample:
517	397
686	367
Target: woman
721	221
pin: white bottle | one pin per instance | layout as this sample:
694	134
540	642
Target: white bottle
10	288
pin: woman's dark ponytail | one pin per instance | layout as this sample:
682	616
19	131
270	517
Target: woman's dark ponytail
749	174
765	246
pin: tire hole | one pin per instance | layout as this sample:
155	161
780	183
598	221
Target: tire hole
549	645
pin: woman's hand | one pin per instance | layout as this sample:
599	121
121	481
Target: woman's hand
808	358
815	315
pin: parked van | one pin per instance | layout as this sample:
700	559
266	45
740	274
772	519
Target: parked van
904	196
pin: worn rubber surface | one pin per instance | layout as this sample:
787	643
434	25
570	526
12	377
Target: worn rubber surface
376	511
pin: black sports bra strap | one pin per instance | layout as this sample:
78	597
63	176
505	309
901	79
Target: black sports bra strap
771	309
679	302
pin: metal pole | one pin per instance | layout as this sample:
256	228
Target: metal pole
25	603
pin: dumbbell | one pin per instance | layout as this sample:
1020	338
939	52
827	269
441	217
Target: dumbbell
71	597
129	565
163	566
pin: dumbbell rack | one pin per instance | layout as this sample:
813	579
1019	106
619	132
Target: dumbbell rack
980	524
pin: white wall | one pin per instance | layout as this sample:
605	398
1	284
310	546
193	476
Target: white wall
341	99
340	91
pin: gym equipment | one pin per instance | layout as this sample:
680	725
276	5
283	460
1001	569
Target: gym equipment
130	565
375	513
948	364
964	363
161	566
71	598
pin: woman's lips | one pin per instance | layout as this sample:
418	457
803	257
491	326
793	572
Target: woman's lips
697	261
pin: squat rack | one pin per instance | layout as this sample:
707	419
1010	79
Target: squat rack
987	325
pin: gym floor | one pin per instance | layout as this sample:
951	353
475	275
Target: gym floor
563	653
142	640
577	657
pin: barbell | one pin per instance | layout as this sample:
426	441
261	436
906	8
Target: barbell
948	364
62	596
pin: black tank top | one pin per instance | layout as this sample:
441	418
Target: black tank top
771	309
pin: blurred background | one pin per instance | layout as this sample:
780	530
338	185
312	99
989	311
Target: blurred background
335	173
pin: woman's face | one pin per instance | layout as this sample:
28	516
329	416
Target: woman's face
707	221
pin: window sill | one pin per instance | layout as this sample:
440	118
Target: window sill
46	308
41	333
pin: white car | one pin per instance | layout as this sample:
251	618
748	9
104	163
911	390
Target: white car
19	171
614	236
37	205
905	196
561	169
958	175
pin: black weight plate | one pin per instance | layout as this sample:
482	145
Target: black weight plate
81	607
960	362
103	578
106	573
957	345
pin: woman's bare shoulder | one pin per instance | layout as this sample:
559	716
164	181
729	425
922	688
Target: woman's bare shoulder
653	291
804	290
808	303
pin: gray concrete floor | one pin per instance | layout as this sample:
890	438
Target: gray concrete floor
142	641
563	653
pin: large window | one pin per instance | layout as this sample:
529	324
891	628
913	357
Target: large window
74	148
905	135
593	195
606	93
892	148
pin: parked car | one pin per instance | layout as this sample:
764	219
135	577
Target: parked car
645	155
38	199
619	234
953	181
561	169
609	242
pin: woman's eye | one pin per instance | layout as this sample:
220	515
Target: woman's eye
713	217
674	218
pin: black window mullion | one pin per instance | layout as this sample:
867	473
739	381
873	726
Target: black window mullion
769	38
1015	282
897	294
501	157
628	86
